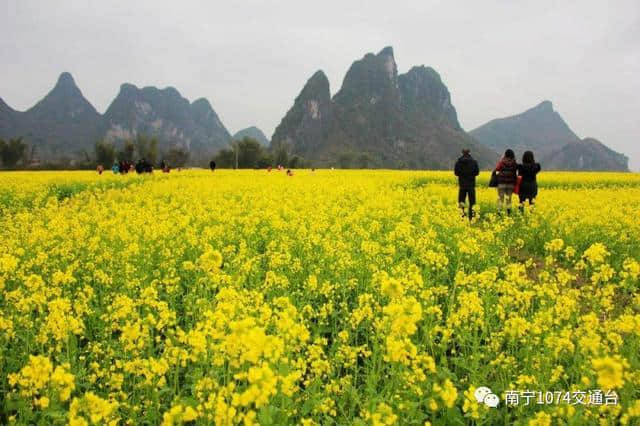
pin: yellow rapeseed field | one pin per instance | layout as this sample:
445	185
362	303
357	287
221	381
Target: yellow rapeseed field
327	297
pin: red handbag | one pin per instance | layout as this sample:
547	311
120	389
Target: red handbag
516	189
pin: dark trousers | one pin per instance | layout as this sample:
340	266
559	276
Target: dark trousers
528	191
463	193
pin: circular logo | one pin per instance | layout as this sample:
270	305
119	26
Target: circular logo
491	400
481	393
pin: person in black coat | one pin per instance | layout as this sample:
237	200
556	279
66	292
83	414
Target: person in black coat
466	169
528	170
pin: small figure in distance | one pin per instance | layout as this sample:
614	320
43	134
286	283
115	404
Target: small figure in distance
466	169
289	172
506	170
269	169
528	170
100	169
115	168
212	165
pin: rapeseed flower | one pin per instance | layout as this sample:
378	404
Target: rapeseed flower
244	298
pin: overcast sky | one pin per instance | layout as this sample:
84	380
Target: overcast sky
251	58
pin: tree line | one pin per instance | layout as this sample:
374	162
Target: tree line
250	154
243	154
12	152
140	147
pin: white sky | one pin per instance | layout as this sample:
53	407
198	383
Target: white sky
251	58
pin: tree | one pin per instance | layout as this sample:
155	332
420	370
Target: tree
12	151
105	153
345	160
30	158
249	152
126	154
235	149
243	154
225	159
294	162
265	161
363	160
282	156
146	148
177	156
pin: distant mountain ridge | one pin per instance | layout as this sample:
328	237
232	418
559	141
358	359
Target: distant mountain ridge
64	124
166	115
61	123
588	154
252	132
542	130
377	119
9	119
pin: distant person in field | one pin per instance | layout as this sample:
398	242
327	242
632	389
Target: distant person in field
528	170
466	169
212	165
507	173
115	168
100	169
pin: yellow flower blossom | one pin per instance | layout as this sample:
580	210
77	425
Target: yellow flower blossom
610	371
243	297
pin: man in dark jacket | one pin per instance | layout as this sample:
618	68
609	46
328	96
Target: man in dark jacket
466	169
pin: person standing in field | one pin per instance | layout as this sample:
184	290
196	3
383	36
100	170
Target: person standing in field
466	169
212	165
528	170
506	171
